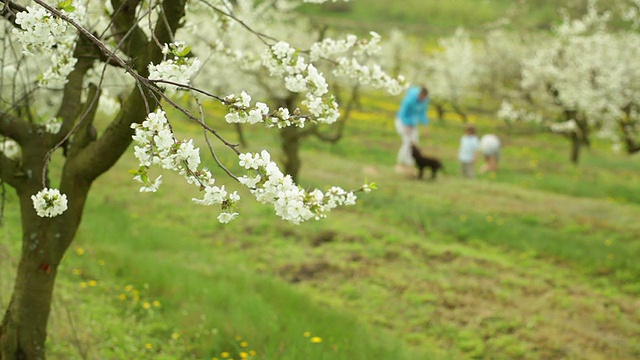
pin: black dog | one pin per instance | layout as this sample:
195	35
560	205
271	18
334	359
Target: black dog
425	161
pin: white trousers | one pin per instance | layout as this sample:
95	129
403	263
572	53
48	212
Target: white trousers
408	135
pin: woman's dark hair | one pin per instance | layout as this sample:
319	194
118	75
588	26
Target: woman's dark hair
424	91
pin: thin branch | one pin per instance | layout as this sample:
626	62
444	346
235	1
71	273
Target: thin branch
260	36
213	153
9	11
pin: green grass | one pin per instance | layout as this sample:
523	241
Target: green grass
430	18
538	261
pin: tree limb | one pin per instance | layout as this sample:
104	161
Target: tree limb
13	127
9	11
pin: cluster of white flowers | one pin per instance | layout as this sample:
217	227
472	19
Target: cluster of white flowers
631	13
10	149
176	66
42	32
592	20
53	125
156	145
107	104
569	126
369	75
292	203
299	76
453	72
349	53
241	111
509	113
49	202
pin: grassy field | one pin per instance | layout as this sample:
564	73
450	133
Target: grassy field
537	261
429	18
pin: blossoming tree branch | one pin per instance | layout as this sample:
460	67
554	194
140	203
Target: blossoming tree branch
63	63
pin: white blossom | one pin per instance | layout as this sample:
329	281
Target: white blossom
10	149
53	125
49	202
43	33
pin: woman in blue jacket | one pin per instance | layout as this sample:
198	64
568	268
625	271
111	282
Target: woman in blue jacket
413	111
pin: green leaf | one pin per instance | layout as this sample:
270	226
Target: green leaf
184	51
66	6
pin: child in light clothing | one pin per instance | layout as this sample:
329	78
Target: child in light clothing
490	148
467	154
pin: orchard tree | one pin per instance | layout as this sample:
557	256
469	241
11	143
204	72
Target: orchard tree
583	81
453	73
450	72
499	63
346	63
64	63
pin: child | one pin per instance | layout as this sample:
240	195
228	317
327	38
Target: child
467	154
490	148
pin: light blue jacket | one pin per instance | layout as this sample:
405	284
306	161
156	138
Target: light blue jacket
412	111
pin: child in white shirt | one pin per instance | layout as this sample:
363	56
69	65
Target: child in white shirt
467	154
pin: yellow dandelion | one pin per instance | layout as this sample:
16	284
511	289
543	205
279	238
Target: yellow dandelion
83	284
77	271
128	288
122	297
238	338
93	283
146	305
489	218
306	334
156	303
463	218
175	336
214	358
316	339
79	251
253	353
101	262
608	242
244	344
243	355
224	355
148	346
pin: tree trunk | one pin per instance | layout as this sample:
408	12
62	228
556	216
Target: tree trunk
23	330
290	142
44	242
440	111
576	144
